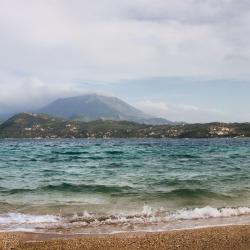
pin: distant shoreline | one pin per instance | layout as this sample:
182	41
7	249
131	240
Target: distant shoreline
221	237
29	125
122	138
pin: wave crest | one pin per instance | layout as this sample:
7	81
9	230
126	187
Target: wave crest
208	212
148	216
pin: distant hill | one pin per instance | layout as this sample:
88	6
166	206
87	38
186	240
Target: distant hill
32	125
95	107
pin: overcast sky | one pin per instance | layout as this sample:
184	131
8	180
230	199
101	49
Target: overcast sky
183	60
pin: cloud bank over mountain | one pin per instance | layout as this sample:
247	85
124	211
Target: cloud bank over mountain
63	48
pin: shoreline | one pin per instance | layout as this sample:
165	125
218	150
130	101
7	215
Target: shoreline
219	237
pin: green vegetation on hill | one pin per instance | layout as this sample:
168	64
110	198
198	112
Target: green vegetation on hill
31	125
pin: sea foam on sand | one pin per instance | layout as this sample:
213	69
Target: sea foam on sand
148	216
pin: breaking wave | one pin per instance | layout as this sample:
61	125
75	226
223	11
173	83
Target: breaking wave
148	216
208	212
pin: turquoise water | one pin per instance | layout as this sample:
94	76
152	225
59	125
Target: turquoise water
123	184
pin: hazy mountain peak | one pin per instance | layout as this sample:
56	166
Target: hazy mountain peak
97	106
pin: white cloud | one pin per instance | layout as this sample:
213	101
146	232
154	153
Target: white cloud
116	39
54	43
29	92
181	112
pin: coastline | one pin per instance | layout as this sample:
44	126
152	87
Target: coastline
220	237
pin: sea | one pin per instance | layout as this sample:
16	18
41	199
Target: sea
105	186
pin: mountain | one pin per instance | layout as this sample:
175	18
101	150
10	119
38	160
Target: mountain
94	107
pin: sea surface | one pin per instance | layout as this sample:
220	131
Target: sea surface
119	185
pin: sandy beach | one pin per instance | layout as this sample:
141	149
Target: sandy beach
228	237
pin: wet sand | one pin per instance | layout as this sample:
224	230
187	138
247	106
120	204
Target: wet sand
226	237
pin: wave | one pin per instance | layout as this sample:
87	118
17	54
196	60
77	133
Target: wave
185	156
116	190
178	182
66	187
148	216
186	193
208	212
18	218
114	152
16	190
70	152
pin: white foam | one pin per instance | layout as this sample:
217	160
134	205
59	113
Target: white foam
148	216
207	212
147	211
18	218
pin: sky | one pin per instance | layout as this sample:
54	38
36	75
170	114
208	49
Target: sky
182	60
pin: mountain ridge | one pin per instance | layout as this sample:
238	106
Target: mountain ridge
91	107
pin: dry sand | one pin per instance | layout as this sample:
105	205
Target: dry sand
228	237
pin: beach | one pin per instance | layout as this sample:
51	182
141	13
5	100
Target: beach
227	237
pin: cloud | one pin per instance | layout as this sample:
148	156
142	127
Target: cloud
29	92
52	48
181	112
116	39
